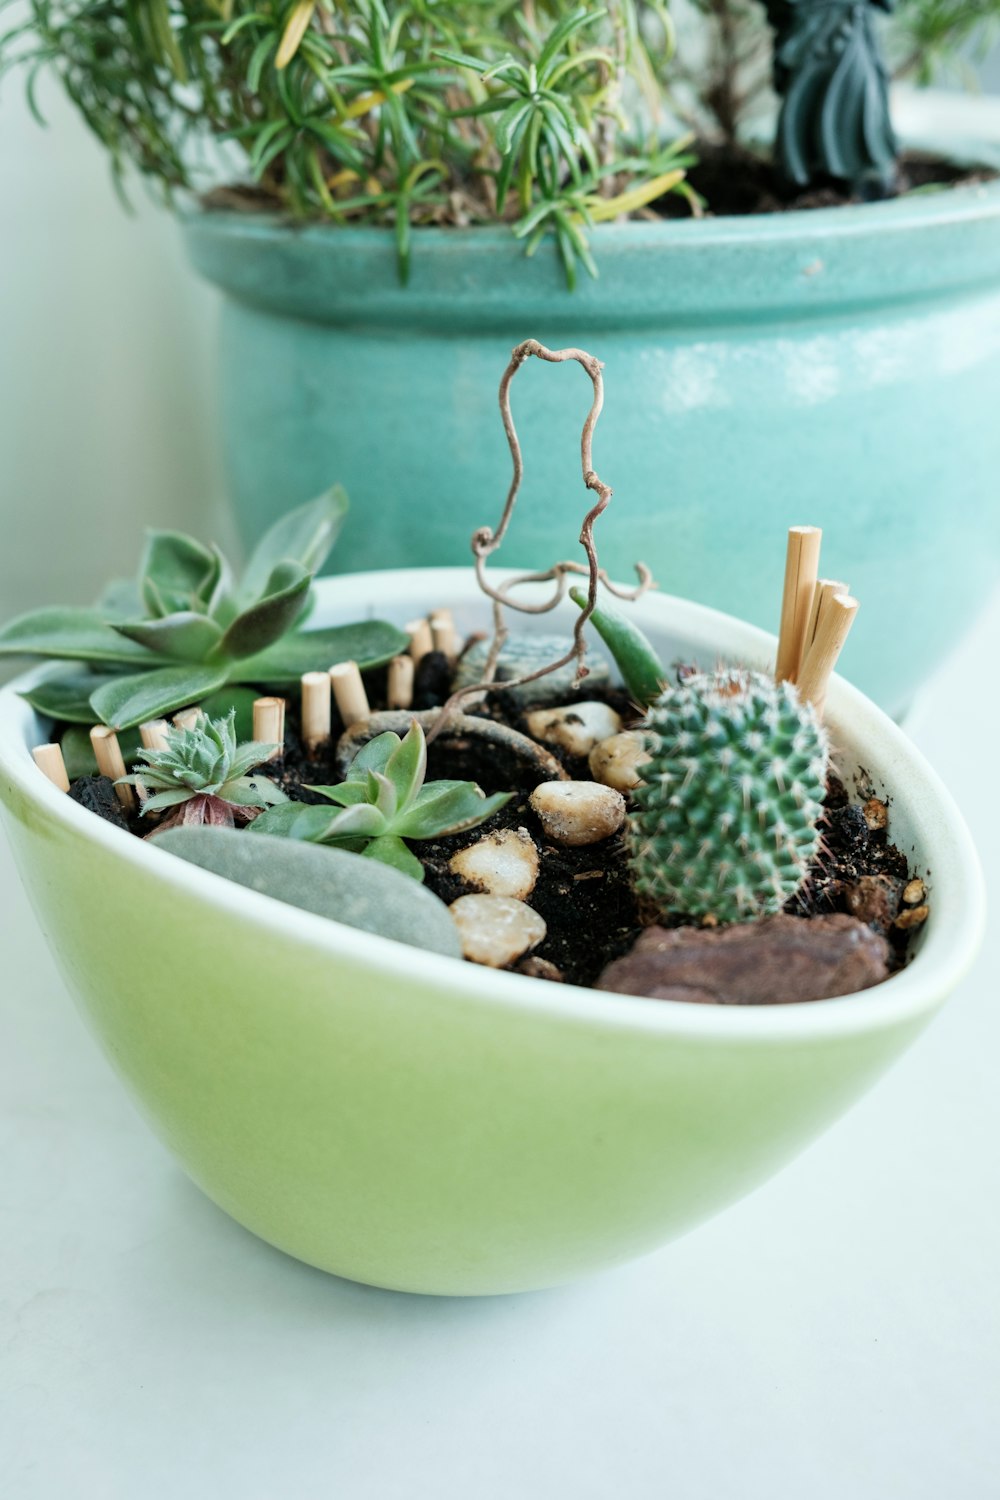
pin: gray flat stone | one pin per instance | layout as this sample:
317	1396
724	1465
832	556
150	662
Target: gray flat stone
527	653
331	883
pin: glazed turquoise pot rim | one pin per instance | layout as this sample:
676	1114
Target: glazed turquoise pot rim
726	270
944	950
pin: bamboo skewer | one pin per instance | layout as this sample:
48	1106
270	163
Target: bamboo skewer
317	708
49	760
349	691
442	625
153	734
825	589
187	718
421	640
801	570
400	690
269	724
111	762
833	626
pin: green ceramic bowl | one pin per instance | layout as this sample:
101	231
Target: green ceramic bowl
414	1122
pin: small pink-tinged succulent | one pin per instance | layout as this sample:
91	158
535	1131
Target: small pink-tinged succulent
201	777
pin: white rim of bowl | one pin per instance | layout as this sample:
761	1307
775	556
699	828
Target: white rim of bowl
948	945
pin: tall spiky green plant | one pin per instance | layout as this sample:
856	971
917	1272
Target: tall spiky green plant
427	112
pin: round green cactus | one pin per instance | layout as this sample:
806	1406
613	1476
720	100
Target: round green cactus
725	822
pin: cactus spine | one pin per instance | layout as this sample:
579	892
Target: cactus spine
725	822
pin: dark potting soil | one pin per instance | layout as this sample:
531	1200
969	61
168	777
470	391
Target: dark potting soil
98	795
734	181
584	894
730	179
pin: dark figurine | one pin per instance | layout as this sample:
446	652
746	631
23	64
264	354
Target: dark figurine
834	87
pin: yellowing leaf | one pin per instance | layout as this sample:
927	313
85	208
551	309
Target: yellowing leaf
365	102
295	29
636	197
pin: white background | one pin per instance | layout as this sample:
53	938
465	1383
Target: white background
835	1337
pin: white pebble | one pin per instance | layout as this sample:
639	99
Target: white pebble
575	727
496	930
578	812
615	761
504	863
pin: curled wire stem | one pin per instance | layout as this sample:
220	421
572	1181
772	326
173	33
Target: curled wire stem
486	540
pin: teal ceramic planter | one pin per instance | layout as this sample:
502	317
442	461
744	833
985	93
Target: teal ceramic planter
415	1122
840	367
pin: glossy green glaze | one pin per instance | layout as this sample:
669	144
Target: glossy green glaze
405	1119
840	367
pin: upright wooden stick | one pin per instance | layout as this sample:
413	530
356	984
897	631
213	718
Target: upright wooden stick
443	631
421	640
824	590
111	762
801	569
349	691
316	708
49	760
269	724
400	689
187	718
832	629
153	734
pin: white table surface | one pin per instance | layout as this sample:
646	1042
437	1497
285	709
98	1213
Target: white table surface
834	1337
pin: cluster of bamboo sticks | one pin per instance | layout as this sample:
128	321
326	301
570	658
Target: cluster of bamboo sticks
342	685
816	618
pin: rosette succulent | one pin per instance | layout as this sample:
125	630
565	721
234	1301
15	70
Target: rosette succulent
202	776
384	802
186	628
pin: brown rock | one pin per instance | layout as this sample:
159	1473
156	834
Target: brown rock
540	968
772	962
876	814
914	916
875	899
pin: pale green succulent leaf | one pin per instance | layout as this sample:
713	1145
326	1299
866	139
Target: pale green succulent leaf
120	599
360	822
389	850
305	535
184	636
249	756
382	795
71	635
128	701
374	756
347	794
161	800
66	698
265	621
176	573
452	811
295	820
407	765
222	604
251	791
370	643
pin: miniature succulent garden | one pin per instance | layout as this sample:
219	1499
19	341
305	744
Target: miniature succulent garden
550	117
519	799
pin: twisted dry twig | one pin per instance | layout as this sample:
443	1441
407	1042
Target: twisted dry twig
485	541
